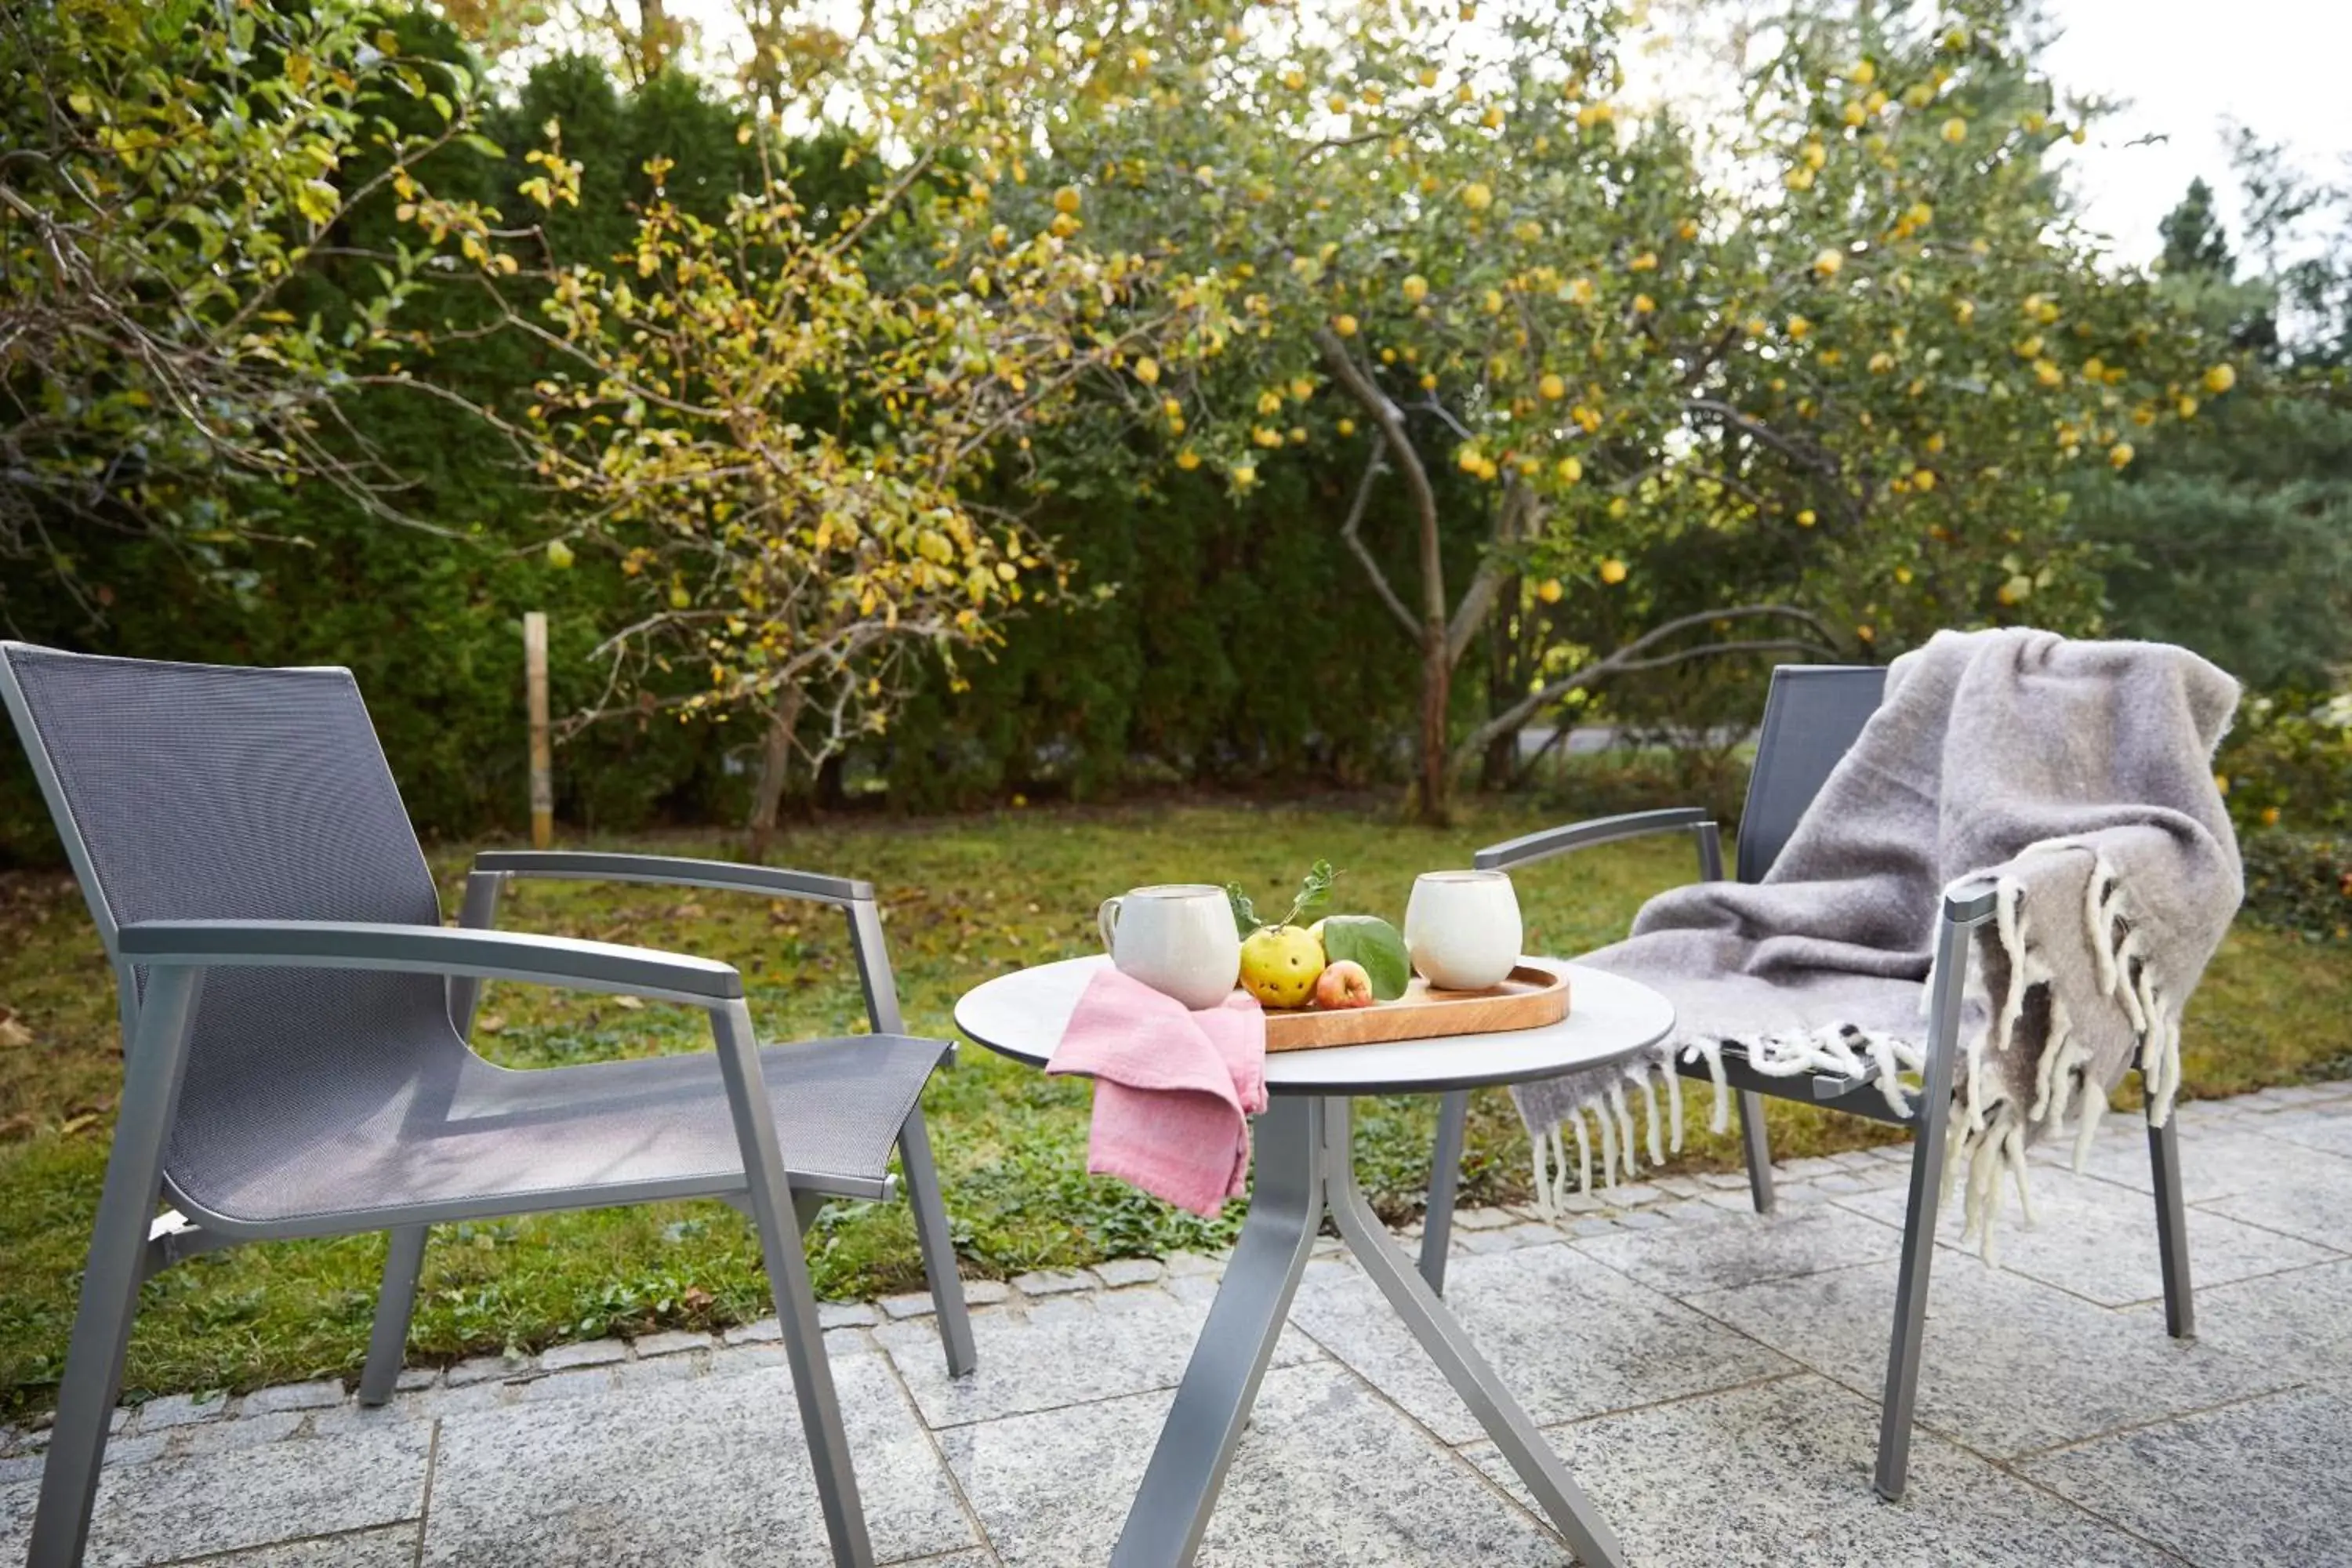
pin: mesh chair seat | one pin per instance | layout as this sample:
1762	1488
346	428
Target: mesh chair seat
474	1133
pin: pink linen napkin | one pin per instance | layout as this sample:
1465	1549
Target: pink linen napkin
1174	1088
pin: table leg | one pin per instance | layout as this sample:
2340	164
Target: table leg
1196	1446
1409	1295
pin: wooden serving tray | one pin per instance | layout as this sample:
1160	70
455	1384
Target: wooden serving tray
1527	998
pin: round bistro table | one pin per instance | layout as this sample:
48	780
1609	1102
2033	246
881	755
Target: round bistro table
1303	1169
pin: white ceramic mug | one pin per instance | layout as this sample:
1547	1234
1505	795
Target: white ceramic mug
1178	938
1462	929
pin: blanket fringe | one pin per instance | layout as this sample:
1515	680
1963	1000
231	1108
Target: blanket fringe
1988	1148
1987	1155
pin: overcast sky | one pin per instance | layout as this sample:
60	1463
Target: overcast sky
2279	67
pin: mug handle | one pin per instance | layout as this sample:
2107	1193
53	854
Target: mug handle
1106	923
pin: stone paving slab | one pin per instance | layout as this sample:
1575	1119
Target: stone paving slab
1710	1376
2305	1198
1326	1473
1759	1247
2097	1240
719	1463
1569	1336
393	1548
1068	1350
1778	1473
2009	1365
172	1508
2188	1484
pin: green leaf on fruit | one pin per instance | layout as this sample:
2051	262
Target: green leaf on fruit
1244	913
1314	892
1373	942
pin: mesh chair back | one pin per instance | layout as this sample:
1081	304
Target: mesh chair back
199	792
1810	721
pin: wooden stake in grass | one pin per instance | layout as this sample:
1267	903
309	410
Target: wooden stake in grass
543	782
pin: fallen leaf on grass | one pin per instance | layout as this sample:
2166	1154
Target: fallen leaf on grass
13	1031
490	1023
633	1004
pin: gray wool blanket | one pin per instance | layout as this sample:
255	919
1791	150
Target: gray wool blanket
2078	777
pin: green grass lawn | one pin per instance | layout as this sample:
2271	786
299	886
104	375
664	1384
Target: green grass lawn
966	898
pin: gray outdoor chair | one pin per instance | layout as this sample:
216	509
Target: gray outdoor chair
1812	719
295	1020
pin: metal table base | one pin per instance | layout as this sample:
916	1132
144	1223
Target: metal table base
1305	1169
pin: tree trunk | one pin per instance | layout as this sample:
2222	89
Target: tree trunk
1434	794
1498	769
775	771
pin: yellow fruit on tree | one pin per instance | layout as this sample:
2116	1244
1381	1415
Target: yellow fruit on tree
2120	455
2187	407
1147	371
1347	426
1569	471
1612	571
1415	287
1245	474
1956	131
2219	378
1066	199
1478	196
1548	591
1280	965
1806	519
1826	263
1344	325
1863	73
1553	387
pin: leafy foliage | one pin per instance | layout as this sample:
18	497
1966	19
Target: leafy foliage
175	174
1852	372
2300	882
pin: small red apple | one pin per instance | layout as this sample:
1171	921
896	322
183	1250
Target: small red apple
1343	985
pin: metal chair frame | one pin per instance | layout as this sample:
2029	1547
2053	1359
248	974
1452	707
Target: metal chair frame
131	1243
1963	909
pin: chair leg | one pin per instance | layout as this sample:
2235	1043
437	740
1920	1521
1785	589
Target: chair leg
771	1200
110	1282
1930	1127
395	1303
1445	1184
1755	1141
931	1212
2171	1229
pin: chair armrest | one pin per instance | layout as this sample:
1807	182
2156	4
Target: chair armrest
678	872
1971	903
1551	841
437	950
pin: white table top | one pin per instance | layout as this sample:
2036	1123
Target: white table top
1023	1015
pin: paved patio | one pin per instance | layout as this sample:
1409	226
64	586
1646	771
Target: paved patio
1710	1376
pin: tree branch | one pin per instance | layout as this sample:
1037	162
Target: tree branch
1629	660
1366	392
1355	542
